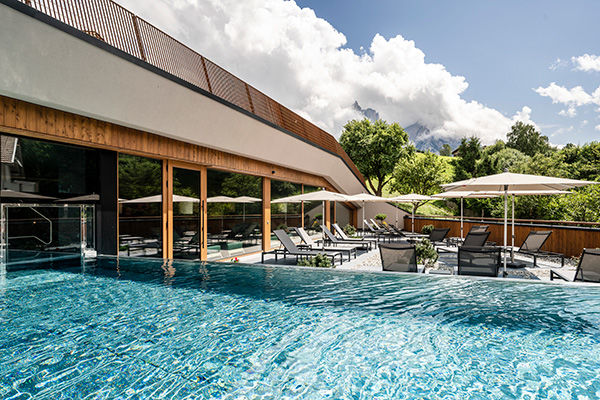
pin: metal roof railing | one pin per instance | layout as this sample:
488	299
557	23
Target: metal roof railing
111	23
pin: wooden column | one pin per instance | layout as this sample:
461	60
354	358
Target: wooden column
167	209
203	214
327	216
334	214
354	217
266	214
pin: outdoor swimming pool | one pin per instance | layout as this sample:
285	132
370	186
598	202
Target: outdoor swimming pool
139	329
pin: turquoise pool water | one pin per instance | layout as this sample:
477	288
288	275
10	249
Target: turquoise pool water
141	329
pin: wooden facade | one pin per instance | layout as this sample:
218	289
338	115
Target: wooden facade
568	240
30	120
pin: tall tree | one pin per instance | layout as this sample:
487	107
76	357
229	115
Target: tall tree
375	148
469	152
421	174
446	150
527	140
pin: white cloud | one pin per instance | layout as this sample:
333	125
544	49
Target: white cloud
587	62
559	94
597	127
300	60
569	112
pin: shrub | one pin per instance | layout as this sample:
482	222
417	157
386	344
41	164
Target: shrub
319	261
427	229
426	253
380	217
349	230
283	227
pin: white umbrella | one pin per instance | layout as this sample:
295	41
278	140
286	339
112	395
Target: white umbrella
412	198
461	195
158	199
366	197
319	195
244	200
508	181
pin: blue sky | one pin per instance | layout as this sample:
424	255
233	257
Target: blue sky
504	49
459	68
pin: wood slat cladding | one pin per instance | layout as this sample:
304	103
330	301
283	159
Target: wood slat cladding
27	119
569	241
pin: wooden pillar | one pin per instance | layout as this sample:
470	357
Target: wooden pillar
203	214
327	216
167	209
266	214
354	217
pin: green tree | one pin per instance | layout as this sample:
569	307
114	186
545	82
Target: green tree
421	174
506	159
527	140
375	148
469	152
446	150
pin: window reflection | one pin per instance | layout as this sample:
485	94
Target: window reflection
234	208
38	171
186	214
313	212
140	206
285	215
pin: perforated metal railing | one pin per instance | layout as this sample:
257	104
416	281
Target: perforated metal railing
107	21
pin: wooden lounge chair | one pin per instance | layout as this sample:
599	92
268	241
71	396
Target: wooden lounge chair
479	261
289	248
345	237
309	243
332	239
399	257
588	268
532	247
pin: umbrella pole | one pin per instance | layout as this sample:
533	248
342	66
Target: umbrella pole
323	223
413	218
244	208
505	225
461	218
512	248
363	218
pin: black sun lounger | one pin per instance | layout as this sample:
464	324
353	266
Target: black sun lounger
312	245
331	238
289	248
588	269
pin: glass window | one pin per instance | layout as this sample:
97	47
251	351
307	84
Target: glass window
285	215
140	206
186	214
39	171
313	212
234	214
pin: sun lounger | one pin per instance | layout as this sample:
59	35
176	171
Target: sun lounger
398	257
332	239
312	245
532	247
588	268
289	248
473	239
436	237
345	237
479	261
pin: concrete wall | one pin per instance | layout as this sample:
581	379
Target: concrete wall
44	65
374	208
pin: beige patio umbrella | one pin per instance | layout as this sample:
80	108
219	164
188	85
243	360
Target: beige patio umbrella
245	200
158	199
412	198
461	195
509	182
366	197
319	195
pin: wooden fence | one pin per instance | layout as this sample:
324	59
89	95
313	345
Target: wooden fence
568	237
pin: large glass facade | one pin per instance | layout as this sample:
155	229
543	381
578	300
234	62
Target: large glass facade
44	186
140	206
186	214
285	215
313	212
39	171
234	214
